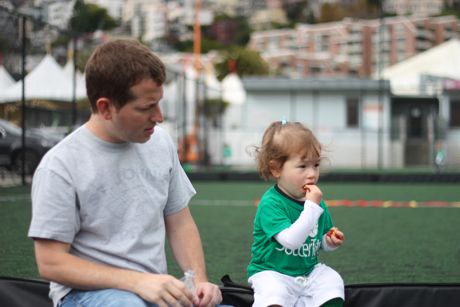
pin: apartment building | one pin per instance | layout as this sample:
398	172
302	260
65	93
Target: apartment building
351	47
414	7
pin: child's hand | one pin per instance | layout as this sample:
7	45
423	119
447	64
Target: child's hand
313	193
335	237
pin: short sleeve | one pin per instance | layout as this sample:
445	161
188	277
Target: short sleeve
54	207
272	218
180	188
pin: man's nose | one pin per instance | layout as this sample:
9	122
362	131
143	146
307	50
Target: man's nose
157	116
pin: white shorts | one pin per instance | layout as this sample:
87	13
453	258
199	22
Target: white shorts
273	288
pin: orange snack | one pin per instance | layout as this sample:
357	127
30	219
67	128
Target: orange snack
333	232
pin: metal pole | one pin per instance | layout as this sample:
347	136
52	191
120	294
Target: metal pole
380	102
198	70
184	119
23	123
362	130
74	84
205	131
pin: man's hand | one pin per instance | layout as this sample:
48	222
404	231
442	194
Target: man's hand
208	295
163	290
186	245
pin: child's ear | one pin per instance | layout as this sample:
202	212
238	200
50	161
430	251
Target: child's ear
274	169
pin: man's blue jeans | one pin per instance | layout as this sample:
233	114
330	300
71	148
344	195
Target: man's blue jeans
106	298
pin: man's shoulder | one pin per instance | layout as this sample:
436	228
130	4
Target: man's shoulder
161	135
160	132
68	143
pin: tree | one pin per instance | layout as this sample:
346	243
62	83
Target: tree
90	17
366	9
229	30
331	12
451	8
297	12
243	61
223	33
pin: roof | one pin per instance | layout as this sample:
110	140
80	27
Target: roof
46	81
309	84
5	78
441	61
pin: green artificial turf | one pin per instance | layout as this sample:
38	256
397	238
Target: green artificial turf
382	244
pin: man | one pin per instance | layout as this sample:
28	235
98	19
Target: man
105	197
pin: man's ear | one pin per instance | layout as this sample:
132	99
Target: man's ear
105	107
274	169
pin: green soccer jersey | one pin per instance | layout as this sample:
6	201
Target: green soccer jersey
276	212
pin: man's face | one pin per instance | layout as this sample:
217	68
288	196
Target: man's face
136	120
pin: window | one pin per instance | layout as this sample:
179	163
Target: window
415	123
454	114
352	112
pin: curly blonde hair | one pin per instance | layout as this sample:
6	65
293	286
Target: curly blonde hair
283	140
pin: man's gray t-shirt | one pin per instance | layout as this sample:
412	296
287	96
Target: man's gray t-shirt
109	200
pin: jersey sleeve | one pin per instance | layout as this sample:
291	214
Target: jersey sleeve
272	217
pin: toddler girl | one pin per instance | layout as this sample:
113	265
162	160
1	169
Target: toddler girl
292	224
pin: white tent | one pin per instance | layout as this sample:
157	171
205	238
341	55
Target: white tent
233	90
442	61
213	85
5	79
47	81
80	77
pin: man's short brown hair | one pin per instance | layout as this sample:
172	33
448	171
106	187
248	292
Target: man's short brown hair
116	66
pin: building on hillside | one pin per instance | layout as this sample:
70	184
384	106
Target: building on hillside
359	48
414	7
238	7
146	17
56	13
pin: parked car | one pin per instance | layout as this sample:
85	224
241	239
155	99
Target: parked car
12	153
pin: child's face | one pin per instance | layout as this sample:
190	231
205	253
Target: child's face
295	173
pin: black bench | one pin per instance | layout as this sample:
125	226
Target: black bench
20	292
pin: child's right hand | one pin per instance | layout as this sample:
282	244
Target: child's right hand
313	193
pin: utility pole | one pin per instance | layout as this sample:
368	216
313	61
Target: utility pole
74	82
197	37
198	68
23	101
380	90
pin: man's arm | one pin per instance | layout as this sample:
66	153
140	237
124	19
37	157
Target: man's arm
57	264
184	238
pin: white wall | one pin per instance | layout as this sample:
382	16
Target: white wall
323	112
453	147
